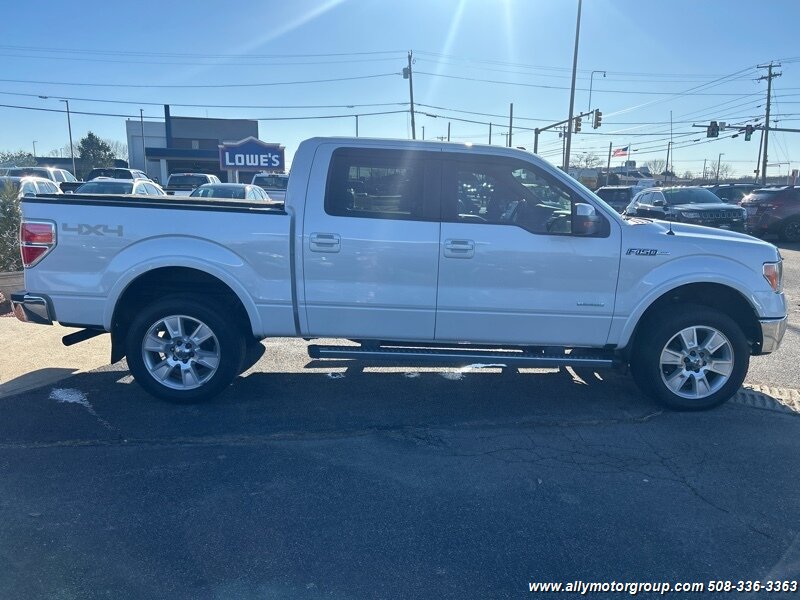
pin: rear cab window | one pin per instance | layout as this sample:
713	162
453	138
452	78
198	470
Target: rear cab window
383	184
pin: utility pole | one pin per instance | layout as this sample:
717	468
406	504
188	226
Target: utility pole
144	152
356	125
448	131
510	122
71	147
34	148
705	160
719	162
608	166
758	160
408	74
572	90
564	131
423	133
490	134
769	77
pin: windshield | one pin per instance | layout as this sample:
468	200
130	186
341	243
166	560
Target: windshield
617	196
220	191
273	182
690	196
105	187
193	180
30	171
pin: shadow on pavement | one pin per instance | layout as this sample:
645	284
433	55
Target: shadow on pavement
34	379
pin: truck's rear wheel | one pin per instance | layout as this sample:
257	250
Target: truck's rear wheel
182	350
691	358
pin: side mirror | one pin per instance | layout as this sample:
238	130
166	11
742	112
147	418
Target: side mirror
585	220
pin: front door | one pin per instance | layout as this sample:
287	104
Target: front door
371	257
511	268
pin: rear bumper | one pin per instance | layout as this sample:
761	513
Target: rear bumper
31	308
772	331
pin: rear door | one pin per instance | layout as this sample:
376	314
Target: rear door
511	269
370	243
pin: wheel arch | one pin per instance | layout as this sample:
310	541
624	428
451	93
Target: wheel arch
718	296
142	288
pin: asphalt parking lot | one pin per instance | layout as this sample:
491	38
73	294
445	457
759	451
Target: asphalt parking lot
306	481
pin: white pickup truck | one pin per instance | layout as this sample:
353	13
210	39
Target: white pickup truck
417	251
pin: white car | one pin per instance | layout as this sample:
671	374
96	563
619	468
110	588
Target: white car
58	176
107	185
30	186
420	251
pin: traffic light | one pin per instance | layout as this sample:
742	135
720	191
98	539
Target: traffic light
576	124
713	130
748	133
598	119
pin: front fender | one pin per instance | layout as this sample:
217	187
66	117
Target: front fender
636	294
180	251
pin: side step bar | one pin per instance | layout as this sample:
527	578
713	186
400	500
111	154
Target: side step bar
460	356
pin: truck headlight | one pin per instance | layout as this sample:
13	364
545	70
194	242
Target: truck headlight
690	214
773	273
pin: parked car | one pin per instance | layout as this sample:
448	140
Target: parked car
538	268
29	186
117	173
272	183
774	211
617	197
731	193
182	184
58	176
695	205
107	185
233	191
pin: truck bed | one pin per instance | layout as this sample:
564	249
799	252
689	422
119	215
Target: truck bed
105	242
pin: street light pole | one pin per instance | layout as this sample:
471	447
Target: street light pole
34	148
144	152
71	147
591	77
719	162
572	90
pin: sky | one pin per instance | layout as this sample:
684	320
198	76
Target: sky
290	63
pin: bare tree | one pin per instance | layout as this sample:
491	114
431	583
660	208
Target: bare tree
725	170
587	160
688	175
656	166
120	149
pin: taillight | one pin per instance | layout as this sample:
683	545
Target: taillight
36	239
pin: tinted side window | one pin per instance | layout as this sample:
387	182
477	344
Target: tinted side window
507	192
377	184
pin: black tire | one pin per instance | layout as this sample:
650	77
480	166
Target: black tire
790	230
228	343
650	375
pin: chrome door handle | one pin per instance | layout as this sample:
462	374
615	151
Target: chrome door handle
459	248
325	242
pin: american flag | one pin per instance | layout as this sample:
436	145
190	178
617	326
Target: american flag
621	151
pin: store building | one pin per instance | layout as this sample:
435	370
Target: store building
183	144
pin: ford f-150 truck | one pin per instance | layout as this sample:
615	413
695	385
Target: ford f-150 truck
417	251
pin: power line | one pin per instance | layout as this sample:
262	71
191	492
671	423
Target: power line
200	86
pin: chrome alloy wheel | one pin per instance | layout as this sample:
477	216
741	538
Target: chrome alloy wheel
181	352
696	362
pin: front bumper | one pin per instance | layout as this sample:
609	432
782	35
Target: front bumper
30	308
772	331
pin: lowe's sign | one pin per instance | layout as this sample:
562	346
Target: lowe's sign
251	154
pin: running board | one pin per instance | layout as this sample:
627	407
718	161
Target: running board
460	356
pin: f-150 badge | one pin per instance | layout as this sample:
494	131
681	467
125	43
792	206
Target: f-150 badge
645	251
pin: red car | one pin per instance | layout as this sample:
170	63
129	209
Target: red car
774	211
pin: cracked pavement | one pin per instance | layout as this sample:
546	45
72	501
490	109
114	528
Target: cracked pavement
379	485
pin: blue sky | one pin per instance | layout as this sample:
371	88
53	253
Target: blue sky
693	58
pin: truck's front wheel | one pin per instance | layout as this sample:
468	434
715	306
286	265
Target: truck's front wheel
691	357
181	350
